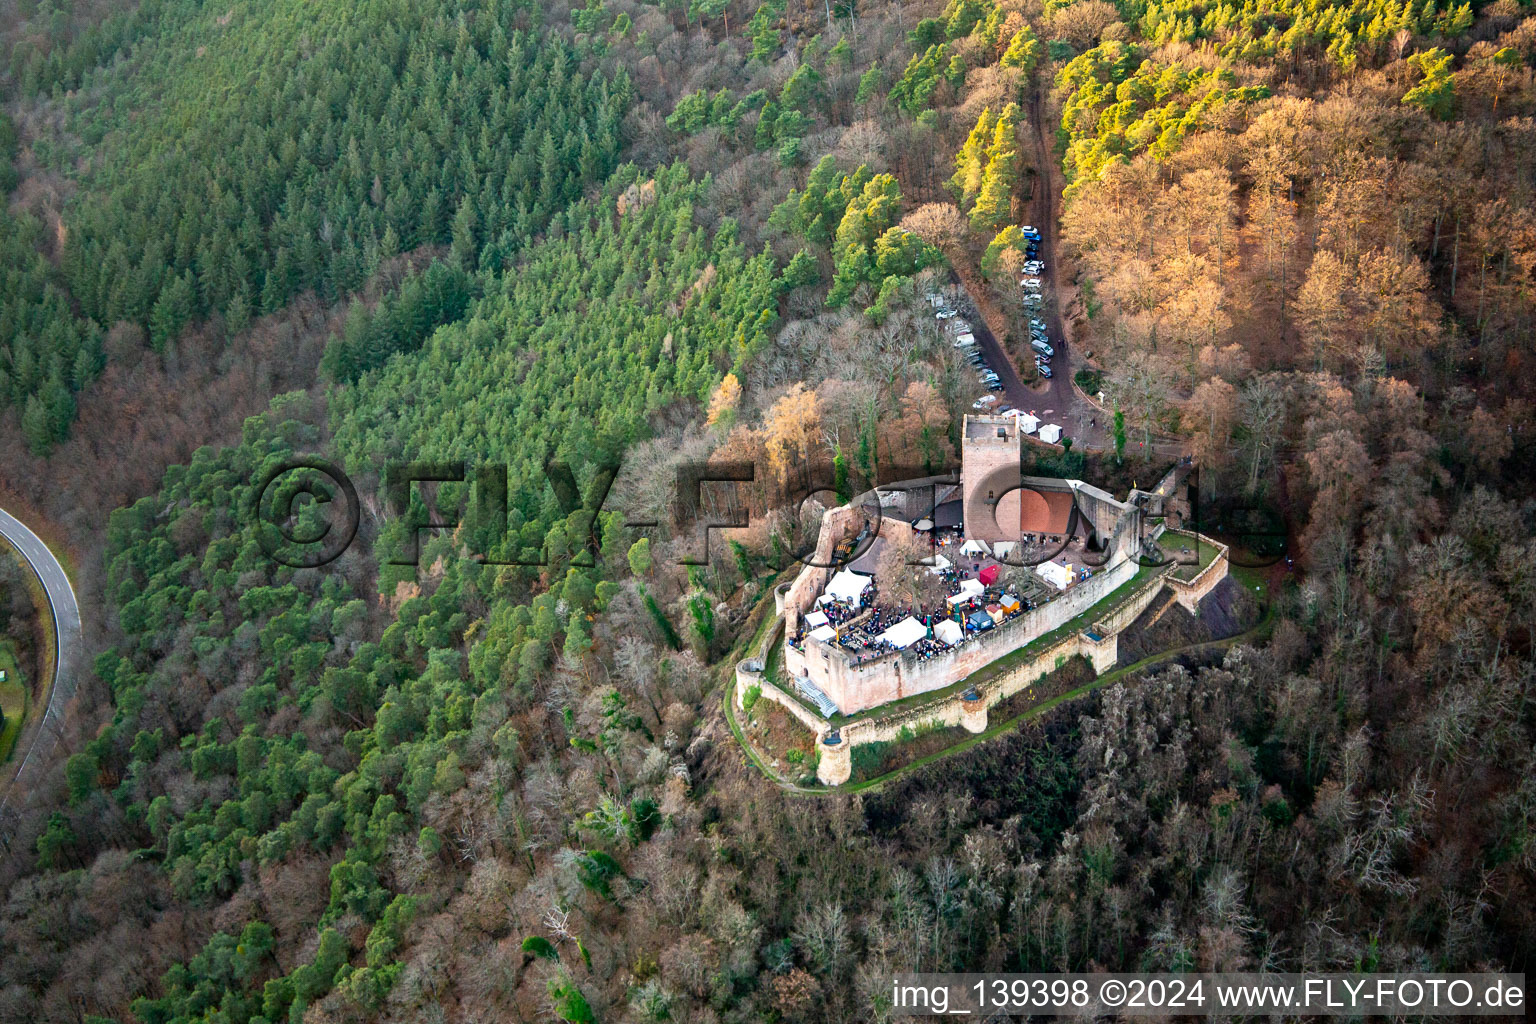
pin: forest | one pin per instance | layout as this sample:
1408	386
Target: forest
1296	241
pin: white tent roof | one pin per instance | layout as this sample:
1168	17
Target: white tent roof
816	619
968	590
1002	548
1050	433
949	632
847	585
823	634
1058	575
940	563
905	633
974	547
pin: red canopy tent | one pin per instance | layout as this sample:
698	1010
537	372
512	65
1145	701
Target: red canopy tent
988	575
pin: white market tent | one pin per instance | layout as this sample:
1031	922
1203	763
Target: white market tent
847	586
968	590
824	634
1002	549
905	633
816	620
974	547
1056	574
949	632
1050	433
940	563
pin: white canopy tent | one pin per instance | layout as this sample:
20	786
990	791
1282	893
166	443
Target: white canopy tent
1056	574
1050	433
824	634
847	586
975	547
1002	549
815	620
968	590
905	633
949	632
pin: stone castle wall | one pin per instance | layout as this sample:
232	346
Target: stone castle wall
1190	592
856	686
1131	608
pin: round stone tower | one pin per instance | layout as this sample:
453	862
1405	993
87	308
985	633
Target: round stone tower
836	764
973	712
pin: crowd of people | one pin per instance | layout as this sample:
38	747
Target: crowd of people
861	624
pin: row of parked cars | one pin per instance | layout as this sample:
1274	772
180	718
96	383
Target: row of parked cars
1034	302
962	338
958	330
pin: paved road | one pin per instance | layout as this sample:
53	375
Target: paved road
44	732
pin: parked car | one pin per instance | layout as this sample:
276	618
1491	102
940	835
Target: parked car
946	314
996	385
1032	283
1034	300
1044	369
965	340
1033	267
1031	232
1042	348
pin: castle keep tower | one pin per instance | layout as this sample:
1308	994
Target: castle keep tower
990	449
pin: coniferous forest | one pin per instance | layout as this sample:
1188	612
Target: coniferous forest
484	772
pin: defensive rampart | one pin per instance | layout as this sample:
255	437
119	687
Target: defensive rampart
856	684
